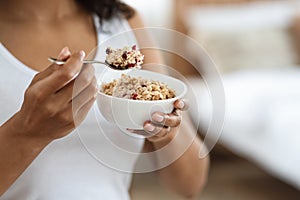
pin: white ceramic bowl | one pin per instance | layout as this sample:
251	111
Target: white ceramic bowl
127	113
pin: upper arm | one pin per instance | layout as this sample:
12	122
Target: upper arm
153	58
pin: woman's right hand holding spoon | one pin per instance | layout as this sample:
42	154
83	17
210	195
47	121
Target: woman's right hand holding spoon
57	99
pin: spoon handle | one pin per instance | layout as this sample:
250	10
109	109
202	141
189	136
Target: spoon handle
61	62
94	62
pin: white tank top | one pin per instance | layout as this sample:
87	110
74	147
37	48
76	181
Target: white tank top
90	163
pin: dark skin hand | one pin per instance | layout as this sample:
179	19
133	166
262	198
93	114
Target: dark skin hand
161	124
59	101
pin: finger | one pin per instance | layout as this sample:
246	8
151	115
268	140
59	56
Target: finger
83	111
173	119
156	130
63	75
181	105
176	112
138	132
86	95
84	79
75	87
63	55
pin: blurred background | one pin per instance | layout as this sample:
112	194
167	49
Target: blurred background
256	47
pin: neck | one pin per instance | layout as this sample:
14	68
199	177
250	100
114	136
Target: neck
41	10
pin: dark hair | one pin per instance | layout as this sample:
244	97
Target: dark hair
106	9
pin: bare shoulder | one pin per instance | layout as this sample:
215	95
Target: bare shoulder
136	21
153	58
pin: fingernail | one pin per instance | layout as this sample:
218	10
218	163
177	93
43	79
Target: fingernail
180	104
149	127
82	55
63	52
157	117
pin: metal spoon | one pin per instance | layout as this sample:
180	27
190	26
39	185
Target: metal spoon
61	62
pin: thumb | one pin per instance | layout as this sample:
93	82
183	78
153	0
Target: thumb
64	54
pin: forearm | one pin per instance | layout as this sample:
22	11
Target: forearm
187	175
16	153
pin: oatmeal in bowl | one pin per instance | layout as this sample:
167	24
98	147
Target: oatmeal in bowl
129	100
137	88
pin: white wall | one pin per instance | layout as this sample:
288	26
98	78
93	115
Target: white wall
158	13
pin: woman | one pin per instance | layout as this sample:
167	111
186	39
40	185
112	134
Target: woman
41	156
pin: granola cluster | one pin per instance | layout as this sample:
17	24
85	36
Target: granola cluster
127	57
138	89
